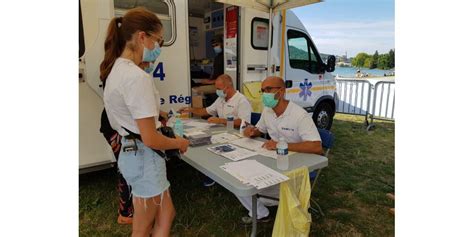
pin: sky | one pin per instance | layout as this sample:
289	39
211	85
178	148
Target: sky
352	26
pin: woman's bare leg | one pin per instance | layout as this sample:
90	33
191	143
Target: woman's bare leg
164	216
144	215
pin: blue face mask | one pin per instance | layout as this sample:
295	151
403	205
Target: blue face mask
217	50
151	55
220	93
269	100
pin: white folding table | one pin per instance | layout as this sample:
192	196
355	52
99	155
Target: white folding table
209	164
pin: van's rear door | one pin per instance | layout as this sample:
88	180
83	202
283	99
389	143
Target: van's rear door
253	53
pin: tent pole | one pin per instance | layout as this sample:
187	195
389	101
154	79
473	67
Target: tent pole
270	28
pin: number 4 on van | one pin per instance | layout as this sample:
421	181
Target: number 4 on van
159	72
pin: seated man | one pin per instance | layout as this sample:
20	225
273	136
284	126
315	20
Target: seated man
229	102
280	117
208	86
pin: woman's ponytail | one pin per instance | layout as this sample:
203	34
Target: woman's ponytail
113	47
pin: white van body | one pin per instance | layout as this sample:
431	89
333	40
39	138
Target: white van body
188	27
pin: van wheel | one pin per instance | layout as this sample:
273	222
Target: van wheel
323	116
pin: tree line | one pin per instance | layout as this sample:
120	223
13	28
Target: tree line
382	61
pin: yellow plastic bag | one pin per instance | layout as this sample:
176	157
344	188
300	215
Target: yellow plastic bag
293	218
251	91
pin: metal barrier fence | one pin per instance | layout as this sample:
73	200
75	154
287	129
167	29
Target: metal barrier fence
360	97
383	102
353	97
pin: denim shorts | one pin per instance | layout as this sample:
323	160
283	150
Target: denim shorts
144	170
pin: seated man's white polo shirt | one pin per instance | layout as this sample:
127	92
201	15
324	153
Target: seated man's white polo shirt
295	125
237	105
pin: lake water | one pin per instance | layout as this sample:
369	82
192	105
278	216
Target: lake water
351	71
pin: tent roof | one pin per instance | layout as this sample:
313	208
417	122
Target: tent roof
266	5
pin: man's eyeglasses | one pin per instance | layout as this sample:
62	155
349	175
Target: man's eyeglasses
268	89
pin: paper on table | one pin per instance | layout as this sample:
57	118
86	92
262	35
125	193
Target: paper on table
232	152
194	133
254	173
223	138
197	124
267	180
268	153
256	145
193	129
241	170
248	143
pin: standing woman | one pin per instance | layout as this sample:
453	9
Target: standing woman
132	103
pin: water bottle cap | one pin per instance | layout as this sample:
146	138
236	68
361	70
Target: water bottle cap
230	117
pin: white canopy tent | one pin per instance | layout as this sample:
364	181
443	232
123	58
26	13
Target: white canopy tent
269	6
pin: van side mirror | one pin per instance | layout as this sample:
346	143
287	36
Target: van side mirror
331	63
288	83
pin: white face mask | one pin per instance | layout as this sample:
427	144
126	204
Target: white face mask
221	93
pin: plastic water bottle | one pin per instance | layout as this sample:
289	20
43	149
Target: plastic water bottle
282	154
230	123
178	127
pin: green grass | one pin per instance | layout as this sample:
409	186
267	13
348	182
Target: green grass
351	192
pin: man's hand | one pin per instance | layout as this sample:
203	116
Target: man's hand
250	131
270	145
214	120
195	111
185	110
183	144
208	81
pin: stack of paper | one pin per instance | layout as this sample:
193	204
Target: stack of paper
190	133
223	138
254	173
197	124
232	152
256	145
192	130
197	137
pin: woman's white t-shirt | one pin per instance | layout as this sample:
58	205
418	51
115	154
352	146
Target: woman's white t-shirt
130	94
